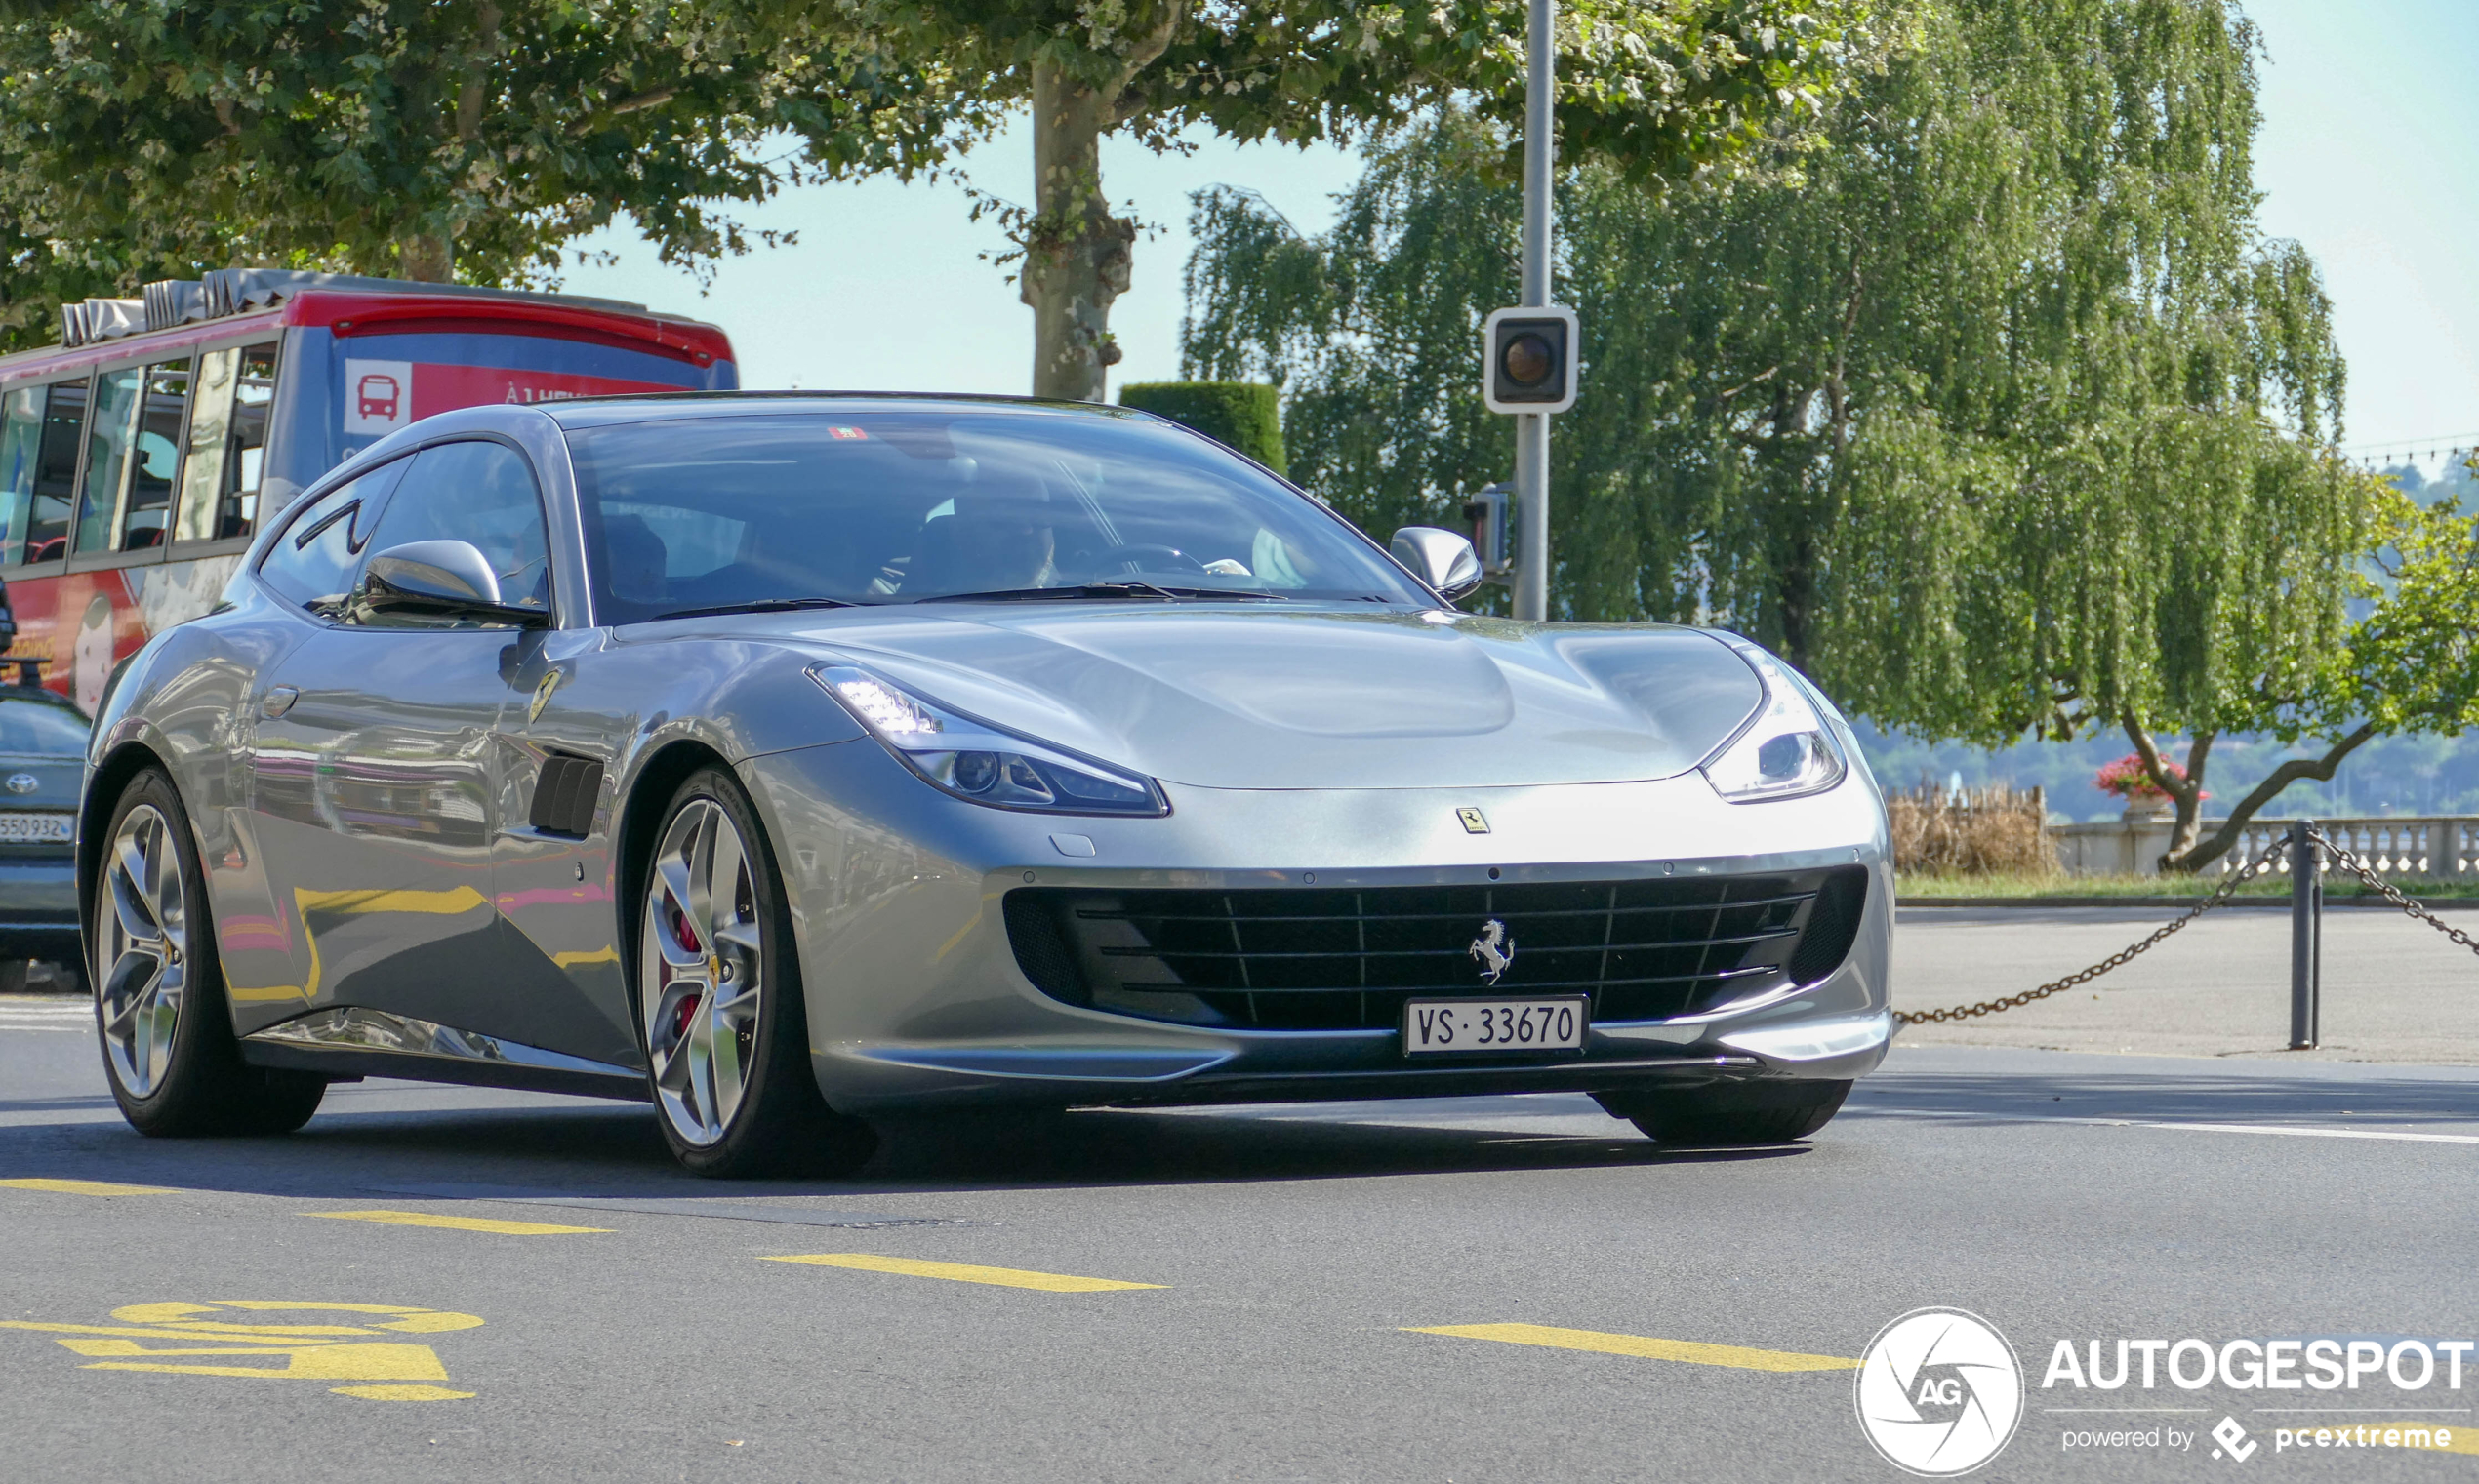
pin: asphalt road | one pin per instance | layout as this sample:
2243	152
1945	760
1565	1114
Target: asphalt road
1701	1308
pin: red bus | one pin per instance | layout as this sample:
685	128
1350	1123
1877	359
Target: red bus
137	456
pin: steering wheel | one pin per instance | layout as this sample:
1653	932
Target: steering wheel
1135	557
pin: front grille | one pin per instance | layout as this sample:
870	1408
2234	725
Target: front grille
1313	959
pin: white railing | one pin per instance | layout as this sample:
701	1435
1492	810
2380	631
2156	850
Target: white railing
2432	848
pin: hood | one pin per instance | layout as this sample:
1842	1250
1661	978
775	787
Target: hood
1272	697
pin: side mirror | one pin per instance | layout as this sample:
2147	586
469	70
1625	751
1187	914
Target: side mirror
440	579
1442	559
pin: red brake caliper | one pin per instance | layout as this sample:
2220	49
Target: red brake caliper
687	935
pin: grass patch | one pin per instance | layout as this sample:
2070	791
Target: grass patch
2034	885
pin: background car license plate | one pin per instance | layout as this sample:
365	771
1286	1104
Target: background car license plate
23	829
1433	1026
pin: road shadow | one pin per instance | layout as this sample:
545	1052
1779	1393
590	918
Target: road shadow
614	1150
2216	1097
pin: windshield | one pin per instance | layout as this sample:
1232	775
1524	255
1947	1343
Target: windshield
901	504
35	726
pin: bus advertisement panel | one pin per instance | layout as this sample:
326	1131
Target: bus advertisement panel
137	460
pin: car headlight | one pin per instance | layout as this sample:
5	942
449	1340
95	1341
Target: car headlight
1788	752
974	760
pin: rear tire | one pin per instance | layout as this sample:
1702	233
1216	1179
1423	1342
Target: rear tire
1731	1113
720	1008
161	1017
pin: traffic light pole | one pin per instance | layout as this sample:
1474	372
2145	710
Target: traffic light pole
1532	430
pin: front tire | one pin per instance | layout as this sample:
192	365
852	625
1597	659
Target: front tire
719	1004
1731	1113
160	1012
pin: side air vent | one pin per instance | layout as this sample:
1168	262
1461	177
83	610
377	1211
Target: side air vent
1833	924
565	795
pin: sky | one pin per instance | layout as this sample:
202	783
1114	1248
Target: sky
2368	156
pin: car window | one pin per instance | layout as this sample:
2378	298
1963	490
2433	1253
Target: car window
896	503
318	558
35	726
483	493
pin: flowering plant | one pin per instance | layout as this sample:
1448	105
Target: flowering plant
2131	781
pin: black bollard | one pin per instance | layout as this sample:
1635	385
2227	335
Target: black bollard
2306	936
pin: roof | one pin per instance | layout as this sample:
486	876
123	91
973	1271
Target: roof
604	412
244	296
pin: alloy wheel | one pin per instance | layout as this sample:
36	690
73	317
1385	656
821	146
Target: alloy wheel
702	977
143	950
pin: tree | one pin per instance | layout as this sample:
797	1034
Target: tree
417	139
1986	402
1656	86
2409	664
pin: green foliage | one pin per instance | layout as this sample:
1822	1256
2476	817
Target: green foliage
1655	87
2413	662
412	139
1660	85
1984	400
1246	415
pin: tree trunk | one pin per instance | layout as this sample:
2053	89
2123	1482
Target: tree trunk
427	257
2320	769
1077	254
2186	794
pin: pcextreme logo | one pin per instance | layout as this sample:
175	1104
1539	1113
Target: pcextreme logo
1939	1392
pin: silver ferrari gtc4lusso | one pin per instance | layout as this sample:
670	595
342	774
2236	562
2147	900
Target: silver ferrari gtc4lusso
791	761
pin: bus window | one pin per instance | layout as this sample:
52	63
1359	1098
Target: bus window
155	458
210	425
236	510
107	440
21	443
46	527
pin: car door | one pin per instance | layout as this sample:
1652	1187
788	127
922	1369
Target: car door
567	718
373	790
271	793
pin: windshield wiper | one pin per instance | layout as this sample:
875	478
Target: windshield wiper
1131	589
756	605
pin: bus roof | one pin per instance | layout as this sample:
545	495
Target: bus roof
180	312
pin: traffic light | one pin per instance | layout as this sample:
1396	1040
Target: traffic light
1530	361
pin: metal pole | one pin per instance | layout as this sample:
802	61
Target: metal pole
1531	429
2306	956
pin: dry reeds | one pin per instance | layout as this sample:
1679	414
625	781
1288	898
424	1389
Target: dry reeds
1976	833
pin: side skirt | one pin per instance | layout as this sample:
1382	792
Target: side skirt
350	1041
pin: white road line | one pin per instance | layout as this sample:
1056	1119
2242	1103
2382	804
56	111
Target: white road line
2292	1131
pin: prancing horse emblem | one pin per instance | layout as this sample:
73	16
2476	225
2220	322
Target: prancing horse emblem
1493	949
541	696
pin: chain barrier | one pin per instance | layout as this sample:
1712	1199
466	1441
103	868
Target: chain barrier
2357	866
2220	897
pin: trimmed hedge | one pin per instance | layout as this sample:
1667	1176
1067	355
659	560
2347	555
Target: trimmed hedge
1245	416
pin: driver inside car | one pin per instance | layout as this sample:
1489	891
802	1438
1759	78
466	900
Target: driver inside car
998	540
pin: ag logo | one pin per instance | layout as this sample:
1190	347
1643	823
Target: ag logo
1939	1392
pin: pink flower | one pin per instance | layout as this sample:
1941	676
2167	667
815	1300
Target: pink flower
2129	779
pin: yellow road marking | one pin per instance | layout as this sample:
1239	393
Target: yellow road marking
401	1371
964	1272
2462	1439
460	1223
83	1188
1692	1351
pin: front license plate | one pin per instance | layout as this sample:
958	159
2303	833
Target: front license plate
1435	1026
23	829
